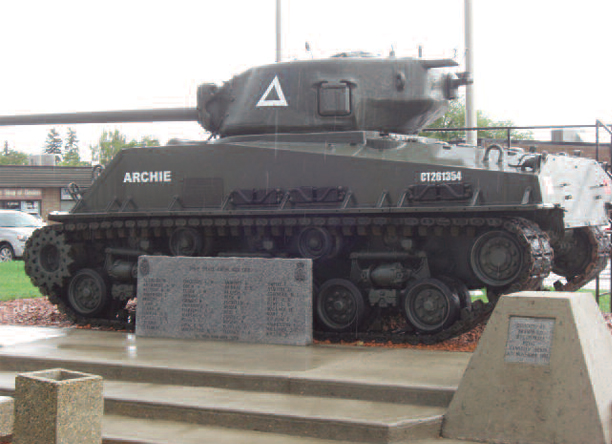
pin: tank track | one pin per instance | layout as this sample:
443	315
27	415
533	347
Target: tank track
538	265
530	236
600	252
125	320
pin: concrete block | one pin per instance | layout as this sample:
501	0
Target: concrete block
242	299
7	416
541	373
58	406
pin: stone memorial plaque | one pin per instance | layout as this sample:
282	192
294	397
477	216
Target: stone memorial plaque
529	340
242	299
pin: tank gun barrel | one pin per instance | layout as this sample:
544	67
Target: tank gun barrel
350	93
128	116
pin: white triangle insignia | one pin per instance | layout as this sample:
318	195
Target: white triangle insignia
264	101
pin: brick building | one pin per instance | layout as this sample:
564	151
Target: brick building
40	189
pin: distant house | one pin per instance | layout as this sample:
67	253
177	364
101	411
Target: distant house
40	189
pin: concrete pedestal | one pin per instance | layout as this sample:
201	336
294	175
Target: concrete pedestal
58	406
540	374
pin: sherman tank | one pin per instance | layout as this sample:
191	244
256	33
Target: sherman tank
320	159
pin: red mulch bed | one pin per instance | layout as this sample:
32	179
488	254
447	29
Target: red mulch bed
40	312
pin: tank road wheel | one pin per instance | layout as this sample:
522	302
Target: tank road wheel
429	305
317	243
6	253
88	293
496	258
185	242
47	257
340	306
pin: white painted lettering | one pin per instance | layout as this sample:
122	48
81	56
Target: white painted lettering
147	176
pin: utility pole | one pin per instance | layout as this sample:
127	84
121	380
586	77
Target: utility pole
470	106
278	31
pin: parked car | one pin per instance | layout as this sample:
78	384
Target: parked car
15	229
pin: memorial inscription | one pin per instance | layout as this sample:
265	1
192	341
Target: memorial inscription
152	308
246	299
529	340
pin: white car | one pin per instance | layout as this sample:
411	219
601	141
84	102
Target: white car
15	229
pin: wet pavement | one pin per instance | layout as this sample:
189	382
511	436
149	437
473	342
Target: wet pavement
187	391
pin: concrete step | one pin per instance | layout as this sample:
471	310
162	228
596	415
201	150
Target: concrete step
311	416
290	414
123	430
288	383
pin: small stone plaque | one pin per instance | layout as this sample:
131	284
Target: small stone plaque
529	340
242	299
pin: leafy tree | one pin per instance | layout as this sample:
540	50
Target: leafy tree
147	141
455	118
72	141
110	143
53	144
72	156
12	157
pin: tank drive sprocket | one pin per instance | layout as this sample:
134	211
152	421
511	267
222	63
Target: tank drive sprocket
48	258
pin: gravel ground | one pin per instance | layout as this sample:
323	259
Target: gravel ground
40	312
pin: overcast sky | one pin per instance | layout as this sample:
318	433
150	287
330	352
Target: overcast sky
537	62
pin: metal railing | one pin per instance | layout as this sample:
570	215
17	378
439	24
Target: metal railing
509	129
600	124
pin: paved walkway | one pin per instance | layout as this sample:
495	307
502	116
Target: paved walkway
360	364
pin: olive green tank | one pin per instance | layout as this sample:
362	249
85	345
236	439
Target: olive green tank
319	159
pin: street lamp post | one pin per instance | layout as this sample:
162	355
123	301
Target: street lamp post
470	107
278	31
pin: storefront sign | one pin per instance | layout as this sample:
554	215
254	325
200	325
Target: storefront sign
20	193
65	194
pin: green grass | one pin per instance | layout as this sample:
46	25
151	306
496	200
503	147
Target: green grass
604	297
14	283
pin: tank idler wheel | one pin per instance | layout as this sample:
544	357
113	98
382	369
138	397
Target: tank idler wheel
88	293
185	242
340	306
429	305
574	254
47	257
496	258
6	253
317	243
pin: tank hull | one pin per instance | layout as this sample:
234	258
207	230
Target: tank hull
394	225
